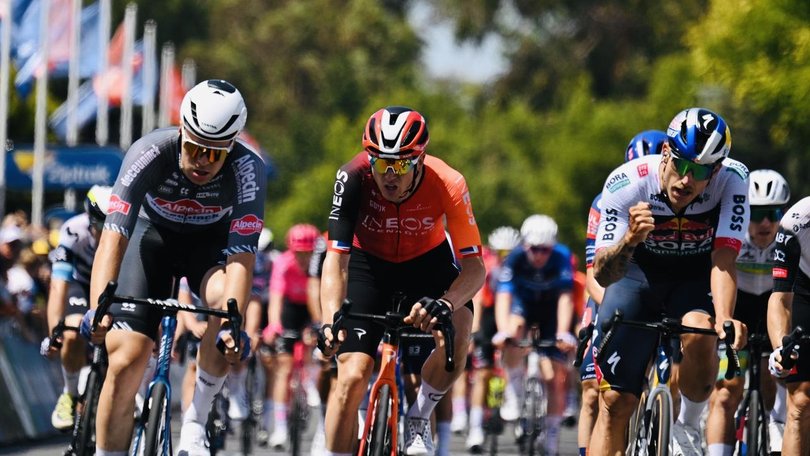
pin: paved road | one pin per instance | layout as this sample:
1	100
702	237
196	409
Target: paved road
55	445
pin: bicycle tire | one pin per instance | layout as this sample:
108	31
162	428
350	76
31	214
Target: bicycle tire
380	443
659	434
297	419
84	444
635	439
754	426
155	409
533	412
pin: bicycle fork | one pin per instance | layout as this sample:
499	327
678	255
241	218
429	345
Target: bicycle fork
387	376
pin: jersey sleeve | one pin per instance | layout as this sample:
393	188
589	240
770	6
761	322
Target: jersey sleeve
786	260
594	215
734	210
247	218
143	168
62	257
618	195
346	195
461	224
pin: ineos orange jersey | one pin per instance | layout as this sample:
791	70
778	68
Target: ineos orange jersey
361	218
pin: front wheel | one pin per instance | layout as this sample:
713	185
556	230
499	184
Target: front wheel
380	442
755	426
297	419
84	441
157	404
659	433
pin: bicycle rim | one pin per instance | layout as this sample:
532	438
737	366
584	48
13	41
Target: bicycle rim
659	434
156	420
753	425
379	434
532	415
635	438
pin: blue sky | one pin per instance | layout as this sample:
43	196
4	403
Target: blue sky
445	58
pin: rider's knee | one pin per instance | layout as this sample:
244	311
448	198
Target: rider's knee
618	405
590	393
800	401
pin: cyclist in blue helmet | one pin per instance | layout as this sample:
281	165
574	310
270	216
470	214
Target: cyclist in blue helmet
672	227
647	142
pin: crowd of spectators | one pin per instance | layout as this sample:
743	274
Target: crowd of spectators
25	274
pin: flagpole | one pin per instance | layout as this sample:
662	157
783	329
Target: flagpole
125	137
148	106
166	65
102	106
41	119
5	56
189	73
72	136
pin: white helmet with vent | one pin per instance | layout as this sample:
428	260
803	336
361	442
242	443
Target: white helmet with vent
767	188
214	110
539	229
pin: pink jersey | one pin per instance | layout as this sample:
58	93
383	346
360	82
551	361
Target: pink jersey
288	279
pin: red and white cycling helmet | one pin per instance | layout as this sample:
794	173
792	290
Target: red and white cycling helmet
302	237
396	132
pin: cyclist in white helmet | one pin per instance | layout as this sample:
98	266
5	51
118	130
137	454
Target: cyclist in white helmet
769	194
187	202
71	262
535	286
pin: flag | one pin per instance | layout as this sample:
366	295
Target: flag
85	111
27	58
18	8
175	95
89	46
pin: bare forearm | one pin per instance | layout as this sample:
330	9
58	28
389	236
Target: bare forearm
333	284
610	263
56	302
780	306
107	263
239	279
503	304
565	312
468	282
724	293
313	298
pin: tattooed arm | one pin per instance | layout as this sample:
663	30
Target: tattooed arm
610	263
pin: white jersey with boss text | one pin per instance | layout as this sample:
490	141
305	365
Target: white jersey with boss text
681	243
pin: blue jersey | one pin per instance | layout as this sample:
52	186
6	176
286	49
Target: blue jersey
517	275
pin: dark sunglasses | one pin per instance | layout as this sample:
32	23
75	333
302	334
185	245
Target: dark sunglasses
699	172
540	249
400	167
194	150
773	214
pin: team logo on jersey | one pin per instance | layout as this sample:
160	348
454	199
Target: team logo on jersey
780	273
593	223
118	205
186	206
616	182
247	225
642	170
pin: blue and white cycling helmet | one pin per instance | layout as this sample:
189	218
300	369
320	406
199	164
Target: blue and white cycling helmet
700	136
645	143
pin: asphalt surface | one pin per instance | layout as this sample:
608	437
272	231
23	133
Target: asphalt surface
506	443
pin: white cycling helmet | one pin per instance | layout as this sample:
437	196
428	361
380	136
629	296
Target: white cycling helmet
265	239
539	229
504	238
214	110
767	188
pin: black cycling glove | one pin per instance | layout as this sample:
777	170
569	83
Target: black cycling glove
441	309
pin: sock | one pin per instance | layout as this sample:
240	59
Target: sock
280	416
71	382
426	400
720	449
205	388
779	411
267	414
236	381
459	406
476	417
515	381
100	452
690	412
443	434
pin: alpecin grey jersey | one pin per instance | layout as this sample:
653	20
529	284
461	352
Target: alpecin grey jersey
681	243
150	185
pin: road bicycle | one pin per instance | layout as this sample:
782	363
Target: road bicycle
649	433
153	430
255	407
298	407
751	420
531	425
83	436
381	428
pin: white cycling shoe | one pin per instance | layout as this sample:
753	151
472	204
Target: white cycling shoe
686	440
418	438
192	440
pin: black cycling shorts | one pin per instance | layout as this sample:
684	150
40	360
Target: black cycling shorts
753	311
294	317
623	365
801	317
483	351
156	256
374	284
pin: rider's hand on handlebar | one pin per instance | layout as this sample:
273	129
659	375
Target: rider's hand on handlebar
427	313
328	344
774	363
566	342
740	332
97	336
